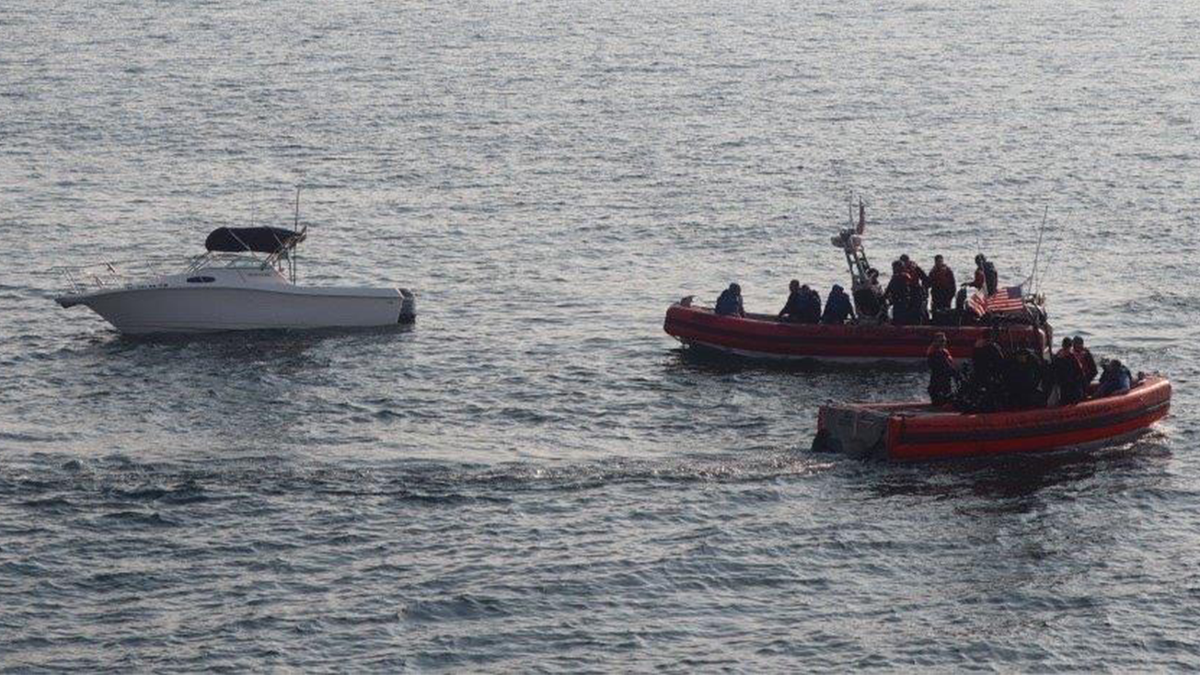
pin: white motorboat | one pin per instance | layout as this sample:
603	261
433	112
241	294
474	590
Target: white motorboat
245	280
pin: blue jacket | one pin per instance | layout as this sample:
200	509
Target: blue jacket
729	304
837	307
810	307
1115	381
794	306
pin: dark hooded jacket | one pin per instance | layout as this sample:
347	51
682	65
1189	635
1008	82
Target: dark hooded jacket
837	306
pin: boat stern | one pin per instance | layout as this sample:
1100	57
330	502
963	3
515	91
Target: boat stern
855	430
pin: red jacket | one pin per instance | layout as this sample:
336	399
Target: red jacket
897	286
1088	362
980	279
1074	356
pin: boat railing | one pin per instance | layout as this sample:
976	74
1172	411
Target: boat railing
115	274
110	274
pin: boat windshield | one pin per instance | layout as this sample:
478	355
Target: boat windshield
244	261
229	260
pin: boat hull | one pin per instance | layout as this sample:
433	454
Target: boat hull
139	311
915	431
763	337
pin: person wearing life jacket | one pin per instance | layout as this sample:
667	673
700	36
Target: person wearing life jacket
837	307
730	302
986	277
918	275
918	282
943	374
963	316
941	284
984	390
1086	360
1025	380
793	308
897	294
987	358
1115	381
868	297
1068	374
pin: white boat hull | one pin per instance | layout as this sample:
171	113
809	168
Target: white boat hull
181	309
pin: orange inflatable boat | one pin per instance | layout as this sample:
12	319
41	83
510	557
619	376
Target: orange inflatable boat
762	336
917	431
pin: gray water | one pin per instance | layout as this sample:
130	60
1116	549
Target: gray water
535	476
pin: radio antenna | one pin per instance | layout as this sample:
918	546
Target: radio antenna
296	228
1037	253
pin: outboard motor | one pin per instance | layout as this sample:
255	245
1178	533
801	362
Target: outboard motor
408	307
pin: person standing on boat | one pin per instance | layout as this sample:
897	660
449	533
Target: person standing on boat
987	358
1068	374
918	281
868	297
941	285
897	294
984	391
914	270
1025	380
730	302
986	277
837	307
1085	359
943	374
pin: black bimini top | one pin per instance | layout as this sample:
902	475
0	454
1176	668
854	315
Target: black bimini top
256	239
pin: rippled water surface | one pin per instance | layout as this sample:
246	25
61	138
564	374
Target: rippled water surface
534	476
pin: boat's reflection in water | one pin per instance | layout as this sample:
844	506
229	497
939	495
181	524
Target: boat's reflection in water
249	346
265	337
1014	477
178	394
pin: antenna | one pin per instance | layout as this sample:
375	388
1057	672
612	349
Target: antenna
1050	264
1037	254
295	227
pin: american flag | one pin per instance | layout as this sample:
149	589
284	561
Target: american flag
1005	300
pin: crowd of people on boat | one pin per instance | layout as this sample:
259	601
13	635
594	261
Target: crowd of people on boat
915	297
912	297
997	380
